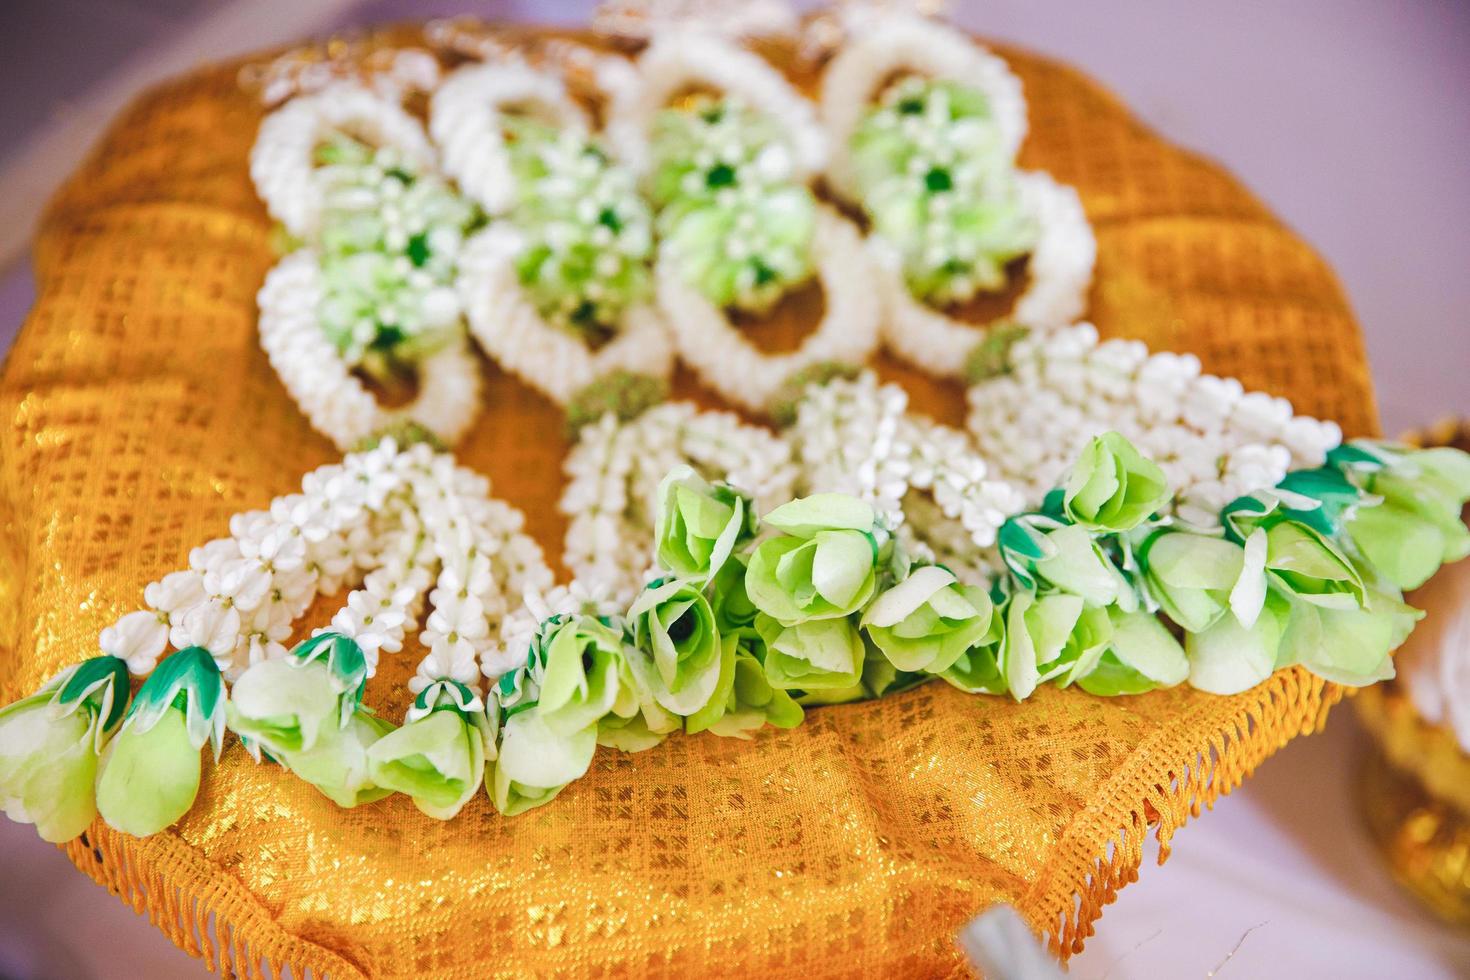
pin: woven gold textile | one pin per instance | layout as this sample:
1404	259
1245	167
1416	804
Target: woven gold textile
141	414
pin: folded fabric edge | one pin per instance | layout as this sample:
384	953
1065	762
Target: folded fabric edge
1102	849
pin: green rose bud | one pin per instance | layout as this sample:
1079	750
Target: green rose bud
650	726
1197	579
671	621
1141	655
285	705
583	674
47	764
978	669
1307	566
744	699
1417	526
149	774
1113	487
1074	563
1037	628
1229	657
536	761
1347	645
823	567
437	757
699	524
337	763
734	612
49	743
927	621
821	655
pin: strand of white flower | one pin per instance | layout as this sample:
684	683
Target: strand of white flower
613	475
900	43
680	60
554	361
1058	274
465	121
484	562
743	373
856	437
282	161
1214	440
240	594
335	401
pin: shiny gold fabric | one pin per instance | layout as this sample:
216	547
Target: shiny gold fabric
141	414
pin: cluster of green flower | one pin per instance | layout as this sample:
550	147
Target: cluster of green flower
814	603
389	238
940	188
588	235
731	216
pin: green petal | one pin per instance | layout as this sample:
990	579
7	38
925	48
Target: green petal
147	780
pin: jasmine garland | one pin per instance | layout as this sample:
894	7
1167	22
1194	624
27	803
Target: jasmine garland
747	621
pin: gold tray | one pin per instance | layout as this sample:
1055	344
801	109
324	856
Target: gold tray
143	414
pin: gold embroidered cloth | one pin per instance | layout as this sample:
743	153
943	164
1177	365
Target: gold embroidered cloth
141	413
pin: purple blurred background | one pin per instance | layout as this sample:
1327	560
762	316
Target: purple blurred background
1350	118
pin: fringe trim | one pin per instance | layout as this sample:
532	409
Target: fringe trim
200	909
1223	749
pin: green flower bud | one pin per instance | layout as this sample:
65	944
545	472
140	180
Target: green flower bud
734	612
1305	565
149	774
1141	655
821	655
1228	657
1350	645
672	621
823	567
927	621
49	743
1047	637
283	705
1197	579
536	761
699	524
337	763
437	758
1417	527
744	699
584	674
149	777
978	669
1113	487
1074	563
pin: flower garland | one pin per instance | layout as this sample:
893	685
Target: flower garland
336	402
932	164
467	117
395	522
747	620
1214	440
372	287
556	293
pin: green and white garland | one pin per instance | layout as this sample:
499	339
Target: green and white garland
740	228
932	163
558	291
371	285
750	614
